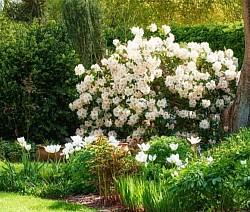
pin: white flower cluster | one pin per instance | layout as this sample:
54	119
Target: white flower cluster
142	156
52	148
23	143
150	80
80	143
175	158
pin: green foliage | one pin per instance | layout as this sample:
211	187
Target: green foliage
11	151
82	179
222	185
108	165
219	36
131	190
83	20
10	30
37	84
128	13
160	147
53	10
25	10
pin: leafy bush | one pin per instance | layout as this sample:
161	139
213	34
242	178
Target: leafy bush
155	86
11	151
222	185
83	20
83	180
37	85
160	147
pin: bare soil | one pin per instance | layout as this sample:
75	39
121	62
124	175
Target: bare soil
94	201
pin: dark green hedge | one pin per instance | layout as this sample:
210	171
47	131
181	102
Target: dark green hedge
37	84
219	36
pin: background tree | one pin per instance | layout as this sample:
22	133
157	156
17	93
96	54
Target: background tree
239	112
83	19
25	10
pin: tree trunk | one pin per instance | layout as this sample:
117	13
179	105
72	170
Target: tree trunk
239	112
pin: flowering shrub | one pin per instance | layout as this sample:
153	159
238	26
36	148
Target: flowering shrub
154	86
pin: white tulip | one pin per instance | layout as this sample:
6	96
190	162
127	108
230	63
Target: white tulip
173	146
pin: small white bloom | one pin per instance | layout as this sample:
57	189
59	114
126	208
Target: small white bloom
166	29
243	162
205	103
144	147
52	148
173	146
89	139
21	141
27	147
113	141
152	158
204	124
194	140
69	149
77	142
153	27
229	53
175	159
175	174
116	42
141	157
79	70
210	159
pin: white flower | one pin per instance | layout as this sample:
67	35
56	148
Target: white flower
175	174
243	162
166	29
153	27
144	147
89	139
79	70
194	140
152	158
27	147
21	141
113	141
210	159
173	146
204	124
77	142
137	31
141	157
116	42
205	103
175	159
52	148
69	149
229	53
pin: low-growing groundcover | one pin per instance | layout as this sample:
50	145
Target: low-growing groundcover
16	202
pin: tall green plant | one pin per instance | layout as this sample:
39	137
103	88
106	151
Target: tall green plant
83	20
37	84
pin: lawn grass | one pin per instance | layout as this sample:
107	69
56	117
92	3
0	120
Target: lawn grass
11	202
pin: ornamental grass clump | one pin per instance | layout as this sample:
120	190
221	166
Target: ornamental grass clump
154	86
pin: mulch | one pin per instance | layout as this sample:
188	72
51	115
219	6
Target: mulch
94	201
